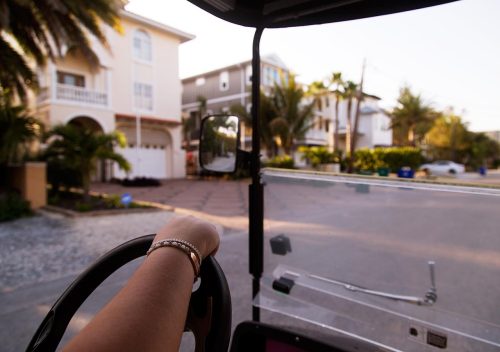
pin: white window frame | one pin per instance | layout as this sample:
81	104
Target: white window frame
141	100
145	52
224	81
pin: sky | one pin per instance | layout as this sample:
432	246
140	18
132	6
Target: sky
449	54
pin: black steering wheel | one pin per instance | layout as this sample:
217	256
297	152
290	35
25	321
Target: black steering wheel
209	316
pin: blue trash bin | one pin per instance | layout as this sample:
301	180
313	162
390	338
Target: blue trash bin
406	172
483	171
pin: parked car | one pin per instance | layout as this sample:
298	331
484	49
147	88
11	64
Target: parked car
443	167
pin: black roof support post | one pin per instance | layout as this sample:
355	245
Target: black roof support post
256	191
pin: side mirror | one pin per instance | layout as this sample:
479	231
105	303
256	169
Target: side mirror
219	138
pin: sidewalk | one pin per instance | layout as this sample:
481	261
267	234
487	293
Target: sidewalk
220	201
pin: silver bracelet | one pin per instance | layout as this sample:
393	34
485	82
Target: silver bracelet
192	252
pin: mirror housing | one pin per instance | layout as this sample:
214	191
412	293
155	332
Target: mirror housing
219	141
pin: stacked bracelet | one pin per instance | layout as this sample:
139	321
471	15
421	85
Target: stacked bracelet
192	252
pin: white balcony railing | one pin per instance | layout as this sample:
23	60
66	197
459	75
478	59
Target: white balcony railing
81	95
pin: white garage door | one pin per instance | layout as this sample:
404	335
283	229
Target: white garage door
146	162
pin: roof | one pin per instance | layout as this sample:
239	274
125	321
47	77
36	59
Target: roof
291	13
271	59
183	36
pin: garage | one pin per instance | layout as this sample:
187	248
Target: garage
152	158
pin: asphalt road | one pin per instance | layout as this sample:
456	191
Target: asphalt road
378	237
381	237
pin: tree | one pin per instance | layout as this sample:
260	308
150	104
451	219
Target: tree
192	123
80	149
267	114
448	138
35	30
293	119
412	118
17	130
337	86
482	150
350	92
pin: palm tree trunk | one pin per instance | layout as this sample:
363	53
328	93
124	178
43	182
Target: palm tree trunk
348	135
336	126
411	136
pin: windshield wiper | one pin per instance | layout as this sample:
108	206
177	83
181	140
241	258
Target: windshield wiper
429	298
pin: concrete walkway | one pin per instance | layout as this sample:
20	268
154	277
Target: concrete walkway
223	202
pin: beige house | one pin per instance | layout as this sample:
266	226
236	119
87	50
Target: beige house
136	89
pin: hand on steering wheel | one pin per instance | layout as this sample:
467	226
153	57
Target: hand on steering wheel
209	316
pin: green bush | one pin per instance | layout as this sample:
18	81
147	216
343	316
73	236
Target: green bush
13	206
318	155
60	175
282	162
365	159
393	158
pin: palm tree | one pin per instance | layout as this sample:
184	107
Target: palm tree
267	114
80	149
293	119
350	92
17	131
337	87
45	28
412	116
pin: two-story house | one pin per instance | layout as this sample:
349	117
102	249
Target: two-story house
228	86
136	89
373	130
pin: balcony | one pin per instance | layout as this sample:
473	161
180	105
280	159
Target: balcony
81	95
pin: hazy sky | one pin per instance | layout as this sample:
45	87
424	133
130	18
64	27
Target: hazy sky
450	54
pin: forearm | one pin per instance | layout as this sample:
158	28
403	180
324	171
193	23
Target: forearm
148	314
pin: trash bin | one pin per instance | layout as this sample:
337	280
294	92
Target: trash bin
406	172
383	171
483	170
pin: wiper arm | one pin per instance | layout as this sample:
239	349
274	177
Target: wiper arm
429	298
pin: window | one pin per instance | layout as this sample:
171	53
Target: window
143	94
200	81
224	80
70	79
142	46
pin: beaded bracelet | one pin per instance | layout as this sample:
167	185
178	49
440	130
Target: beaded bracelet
192	252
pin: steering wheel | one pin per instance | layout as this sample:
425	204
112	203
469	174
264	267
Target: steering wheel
209	314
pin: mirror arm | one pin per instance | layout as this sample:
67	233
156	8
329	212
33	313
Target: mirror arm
244	159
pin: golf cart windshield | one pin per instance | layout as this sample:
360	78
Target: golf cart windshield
398	264
405	265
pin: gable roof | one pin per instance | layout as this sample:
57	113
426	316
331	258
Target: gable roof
271	59
183	36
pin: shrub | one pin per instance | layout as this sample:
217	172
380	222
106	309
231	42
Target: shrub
393	158
60	175
365	160
13	206
318	155
282	162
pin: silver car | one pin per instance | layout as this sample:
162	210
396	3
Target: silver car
443	167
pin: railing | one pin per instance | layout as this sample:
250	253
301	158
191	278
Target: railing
81	95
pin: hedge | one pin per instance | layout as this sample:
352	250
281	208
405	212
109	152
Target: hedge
283	162
393	158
